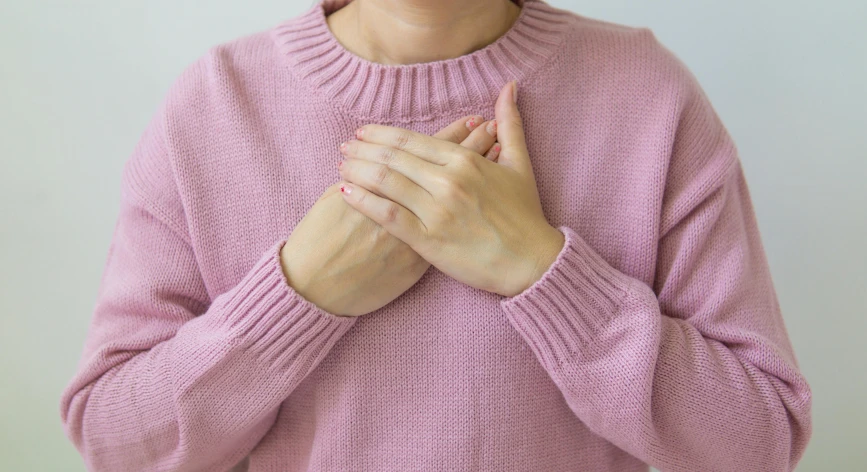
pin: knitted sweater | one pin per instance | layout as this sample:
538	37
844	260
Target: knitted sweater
655	337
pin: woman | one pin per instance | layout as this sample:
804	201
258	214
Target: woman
351	242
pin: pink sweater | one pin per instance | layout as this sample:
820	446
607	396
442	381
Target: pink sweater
655	337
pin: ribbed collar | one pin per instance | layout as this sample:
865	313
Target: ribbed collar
416	92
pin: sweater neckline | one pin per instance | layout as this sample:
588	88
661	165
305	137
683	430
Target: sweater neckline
420	91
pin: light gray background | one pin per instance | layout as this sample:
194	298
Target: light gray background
79	81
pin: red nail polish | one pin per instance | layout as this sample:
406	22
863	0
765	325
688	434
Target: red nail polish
340	165
359	133
346	189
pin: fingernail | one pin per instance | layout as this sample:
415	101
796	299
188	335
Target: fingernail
515	91
471	123
494	152
342	147
492	127
346	189
340	165
359	133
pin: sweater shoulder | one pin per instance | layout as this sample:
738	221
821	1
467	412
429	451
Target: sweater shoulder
630	74
626	57
630	67
226	80
240	62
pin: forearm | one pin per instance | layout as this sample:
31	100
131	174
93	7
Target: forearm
704	394
202	397
658	388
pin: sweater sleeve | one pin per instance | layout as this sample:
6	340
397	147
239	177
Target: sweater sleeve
170	379
697	372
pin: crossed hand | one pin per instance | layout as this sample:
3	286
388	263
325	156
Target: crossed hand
464	200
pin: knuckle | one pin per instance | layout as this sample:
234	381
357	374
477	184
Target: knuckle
381	175
402	140
387	155
390	213
361	198
454	189
441	179
466	158
516	123
453	136
379	235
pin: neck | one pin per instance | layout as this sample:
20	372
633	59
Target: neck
417	31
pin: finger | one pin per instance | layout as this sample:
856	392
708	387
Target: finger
331	190
429	148
459	129
414	168
493	153
482	138
387	183
393	217
510	130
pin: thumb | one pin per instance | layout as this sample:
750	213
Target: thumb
510	130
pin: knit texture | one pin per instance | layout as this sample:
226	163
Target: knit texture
655	337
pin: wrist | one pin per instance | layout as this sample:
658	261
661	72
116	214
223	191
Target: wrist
288	271
547	248
298	279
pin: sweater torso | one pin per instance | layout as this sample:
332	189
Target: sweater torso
438	379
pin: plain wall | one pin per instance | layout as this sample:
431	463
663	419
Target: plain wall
79	81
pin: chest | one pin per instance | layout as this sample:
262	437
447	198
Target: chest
255	182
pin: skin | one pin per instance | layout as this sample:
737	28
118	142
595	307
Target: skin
457	200
478	221
348	265
413	31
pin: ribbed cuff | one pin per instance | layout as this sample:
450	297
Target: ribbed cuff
572	301
285	330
